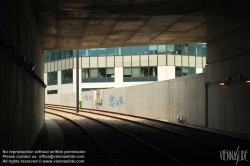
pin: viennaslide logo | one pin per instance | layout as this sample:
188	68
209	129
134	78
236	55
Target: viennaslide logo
234	155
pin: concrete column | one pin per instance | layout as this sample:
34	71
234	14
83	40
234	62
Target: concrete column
77	81
228	106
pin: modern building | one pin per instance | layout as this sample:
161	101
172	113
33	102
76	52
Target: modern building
102	68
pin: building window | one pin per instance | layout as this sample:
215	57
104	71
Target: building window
152	71
102	75
67	76
136	50
49	92
170	49
184	71
118	51
127	72
110	51
47	56
53	55
52	78
126	50
177	49
93	52
83	52
192	70
89	89
85	75
152	49
178	72
59	55
101	51
137	74
192	49
144	50
184	49
110	74
93	73
66	54
204	50
199	49
98	75
161	49
144	72
101	72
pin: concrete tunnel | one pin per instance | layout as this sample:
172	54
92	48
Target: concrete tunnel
27	28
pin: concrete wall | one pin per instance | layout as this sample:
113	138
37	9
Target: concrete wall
22	97
161	100
229	106
68	99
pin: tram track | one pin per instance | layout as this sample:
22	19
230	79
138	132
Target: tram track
97	150
132	147
155	134
224	141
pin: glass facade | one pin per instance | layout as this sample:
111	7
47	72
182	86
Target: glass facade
50	56
139	62
174	49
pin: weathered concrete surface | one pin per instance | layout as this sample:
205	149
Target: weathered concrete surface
160	100
85	24
228	106
22	97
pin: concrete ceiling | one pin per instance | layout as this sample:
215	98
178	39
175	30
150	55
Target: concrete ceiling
71	24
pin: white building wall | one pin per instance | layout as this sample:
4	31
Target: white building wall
162	73
74	80
118	77
170	72
45	77
59	78
199	70
166	72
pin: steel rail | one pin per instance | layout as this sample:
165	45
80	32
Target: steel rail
128	134
106	154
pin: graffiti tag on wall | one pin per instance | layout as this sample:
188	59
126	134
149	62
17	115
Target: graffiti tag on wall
115	102
87	97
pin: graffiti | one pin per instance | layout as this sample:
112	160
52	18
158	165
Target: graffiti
87	97
121	100
113	102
